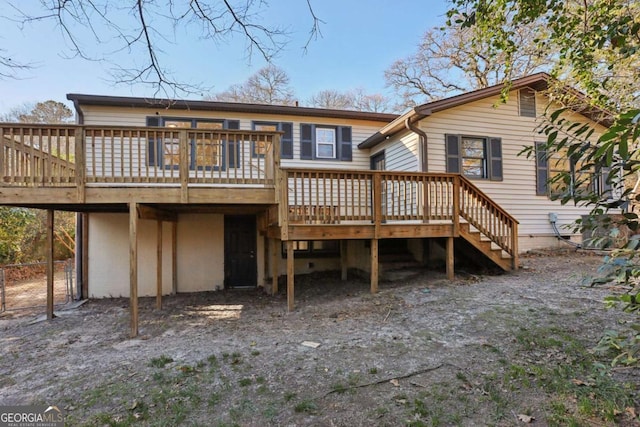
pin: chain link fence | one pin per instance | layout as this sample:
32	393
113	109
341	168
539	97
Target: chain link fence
24	286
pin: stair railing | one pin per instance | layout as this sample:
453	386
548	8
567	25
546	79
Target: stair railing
480	211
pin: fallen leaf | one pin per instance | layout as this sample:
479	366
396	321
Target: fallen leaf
578	382
525	418
311	344
395	382
631	411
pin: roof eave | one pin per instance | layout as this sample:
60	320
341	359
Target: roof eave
196	105
392	128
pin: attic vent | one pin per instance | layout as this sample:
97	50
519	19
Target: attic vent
527	102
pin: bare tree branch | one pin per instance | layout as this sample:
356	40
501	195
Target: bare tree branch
450	60
132	35
269	85
356	99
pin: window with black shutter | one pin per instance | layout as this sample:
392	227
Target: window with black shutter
477	157
560	175
320	142
205	153
258	148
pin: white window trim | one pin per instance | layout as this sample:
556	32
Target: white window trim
484	158
319	142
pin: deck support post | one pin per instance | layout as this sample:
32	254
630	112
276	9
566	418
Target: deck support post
50	264
133	267
290	275
275	270
85	255
159	266
375	266
344	265
514	247
450	259
174	257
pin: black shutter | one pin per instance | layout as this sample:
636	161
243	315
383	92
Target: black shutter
306	141
344	143
232	124
542	169
234	148
153	145
495	159
286	143
453	153
606	176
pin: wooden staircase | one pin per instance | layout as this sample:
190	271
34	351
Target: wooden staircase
487	247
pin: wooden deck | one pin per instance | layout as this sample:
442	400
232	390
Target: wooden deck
154	173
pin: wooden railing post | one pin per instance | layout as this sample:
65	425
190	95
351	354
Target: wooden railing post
283	203
275	156
376	199
184	166
80	162
456	206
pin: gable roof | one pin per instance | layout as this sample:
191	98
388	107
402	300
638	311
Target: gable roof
538	82
234	107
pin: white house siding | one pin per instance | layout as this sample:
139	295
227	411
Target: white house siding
517	192
401	153
109	256
200	255
361	129
200	252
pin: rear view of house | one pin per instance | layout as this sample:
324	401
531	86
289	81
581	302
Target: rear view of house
185	196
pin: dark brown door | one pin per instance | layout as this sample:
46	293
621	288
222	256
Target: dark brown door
240	266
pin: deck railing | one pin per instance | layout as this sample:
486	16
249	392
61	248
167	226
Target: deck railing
488	217
37	156
77	156
66	155
315	197
171	156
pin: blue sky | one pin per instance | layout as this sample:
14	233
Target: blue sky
359	41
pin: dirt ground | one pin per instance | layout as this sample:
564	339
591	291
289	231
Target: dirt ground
511	349
32	293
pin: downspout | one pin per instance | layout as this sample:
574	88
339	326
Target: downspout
422	145
79	226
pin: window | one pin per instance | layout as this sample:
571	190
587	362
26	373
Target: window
477	157
313	248
205	153
527	102
378	161
474	157
325	142
286	141
559	175
209	153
